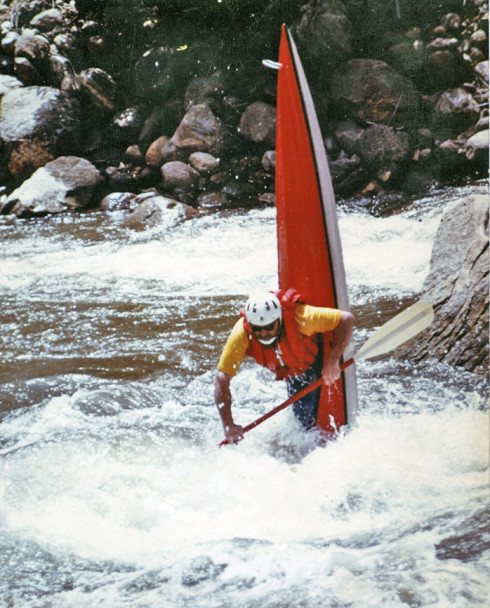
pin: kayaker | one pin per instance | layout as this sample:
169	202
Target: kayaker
284	334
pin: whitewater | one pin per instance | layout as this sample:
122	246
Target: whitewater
112	490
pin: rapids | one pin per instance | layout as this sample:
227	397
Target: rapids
112	490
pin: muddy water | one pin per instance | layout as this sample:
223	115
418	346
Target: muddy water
111	490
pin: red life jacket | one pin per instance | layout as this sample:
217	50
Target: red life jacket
292	353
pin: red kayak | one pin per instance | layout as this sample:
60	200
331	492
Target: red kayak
309	247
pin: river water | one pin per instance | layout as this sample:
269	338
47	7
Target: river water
112	490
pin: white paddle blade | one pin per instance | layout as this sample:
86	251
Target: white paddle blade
398	330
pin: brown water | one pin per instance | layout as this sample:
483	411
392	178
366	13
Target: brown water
111	490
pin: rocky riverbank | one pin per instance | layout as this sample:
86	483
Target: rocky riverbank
71	138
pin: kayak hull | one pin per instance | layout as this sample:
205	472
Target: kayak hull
309	247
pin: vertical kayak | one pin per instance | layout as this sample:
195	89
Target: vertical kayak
309	246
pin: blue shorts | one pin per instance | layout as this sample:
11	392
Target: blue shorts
306	409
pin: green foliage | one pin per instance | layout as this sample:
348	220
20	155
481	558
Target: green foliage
374	19
228	35
233	36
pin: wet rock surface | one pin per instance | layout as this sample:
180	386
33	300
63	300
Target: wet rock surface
61	94
457	287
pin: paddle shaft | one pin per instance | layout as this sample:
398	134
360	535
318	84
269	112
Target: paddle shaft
292	399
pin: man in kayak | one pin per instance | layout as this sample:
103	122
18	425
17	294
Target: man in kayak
283	334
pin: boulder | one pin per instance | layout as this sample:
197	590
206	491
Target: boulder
348	134
199	131
368	90
258	123
382	148
47	20
205	163
476	148
100	88
32	46
60	67
26	72
157	210
126	125
324	33
268	161
64	184
37	124
154	155
8	83
177	174
457	287
456	111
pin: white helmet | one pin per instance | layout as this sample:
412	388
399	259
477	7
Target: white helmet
263	309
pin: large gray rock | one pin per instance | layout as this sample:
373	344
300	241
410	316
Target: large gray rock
37	124
457	287
64	184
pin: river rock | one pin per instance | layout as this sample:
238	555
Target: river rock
100	87
9	41
199	131
476	148
66	43
343	166
369	90
158	210
64	184
154	156
37	124
117	201
26	72
258	123
451	22
32	46
268	161
60	67
382	148
456	111
348	134
25	11
127	124
324	33
8	83
481	69
203	162
177	174
47	20
457	287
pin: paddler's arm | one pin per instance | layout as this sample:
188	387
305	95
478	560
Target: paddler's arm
341	338
230	360
314	319
222	398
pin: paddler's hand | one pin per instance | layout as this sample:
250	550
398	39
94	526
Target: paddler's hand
233	432
331	371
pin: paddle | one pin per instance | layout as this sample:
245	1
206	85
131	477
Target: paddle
405	325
